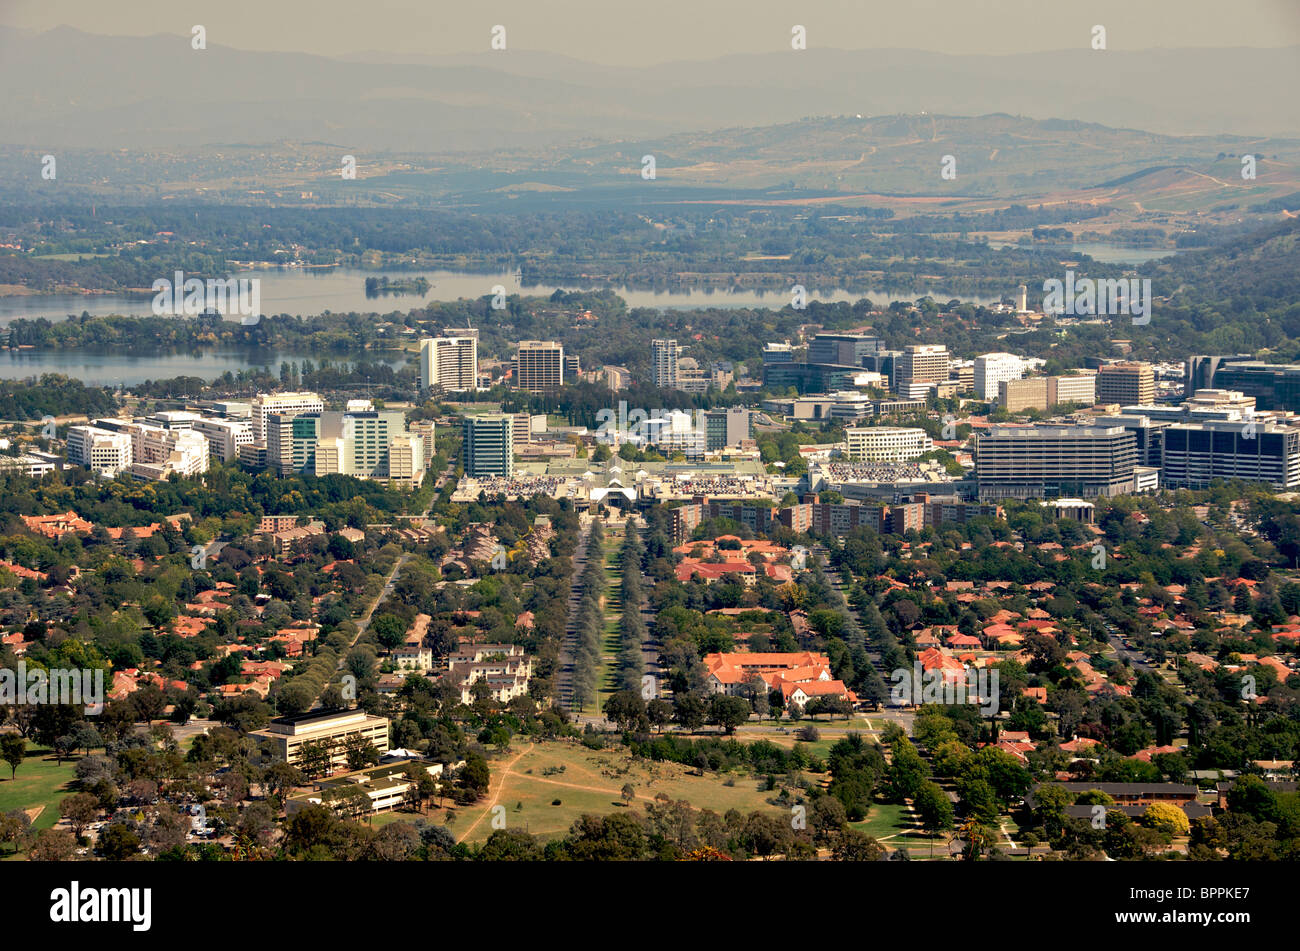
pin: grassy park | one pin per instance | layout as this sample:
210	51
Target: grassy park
40	783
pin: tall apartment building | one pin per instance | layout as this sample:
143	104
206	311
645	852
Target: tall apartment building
539	365
887	443
102	450
663	356
1126	383
1195	453
843	349
920	364
450	361
993	368
489	446
1029	462
290	404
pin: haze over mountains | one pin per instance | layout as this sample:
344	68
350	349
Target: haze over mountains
69	89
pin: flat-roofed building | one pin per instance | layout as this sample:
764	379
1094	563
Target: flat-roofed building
489	445
333	729
225	436
450	361
726	427
1195	454
887	443
778	353
101	450
1017	396
1050	460
990	369
539	365
664	354
284	404
918	366
425	429
1075	388
1126	383
406	460
843	349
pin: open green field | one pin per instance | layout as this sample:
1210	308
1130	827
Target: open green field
896	827
39	784
591	781
607	672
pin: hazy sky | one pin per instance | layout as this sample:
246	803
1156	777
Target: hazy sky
640	32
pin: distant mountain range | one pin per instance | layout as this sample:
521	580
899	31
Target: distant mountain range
69	89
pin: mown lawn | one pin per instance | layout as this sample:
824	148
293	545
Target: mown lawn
39	782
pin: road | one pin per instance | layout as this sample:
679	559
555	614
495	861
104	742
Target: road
391	581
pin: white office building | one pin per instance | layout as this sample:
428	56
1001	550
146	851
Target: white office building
102	450
887	443
225	436
994	368
284	404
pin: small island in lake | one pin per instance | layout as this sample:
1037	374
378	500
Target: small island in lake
377	286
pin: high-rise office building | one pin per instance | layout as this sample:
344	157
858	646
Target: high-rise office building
1127	384
102	450
489	445
778	353
920	364
843	349
290	404
1193	454
406	466
992	369
539	365
357	443
450	362
726	427
225	436
1043	461
663	355
424	428
1275	386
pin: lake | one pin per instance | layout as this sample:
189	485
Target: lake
1101	253
303	292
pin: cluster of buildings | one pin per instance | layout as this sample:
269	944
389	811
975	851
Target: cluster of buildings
153	447
801	676
1213	434
283	432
